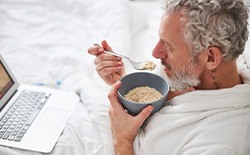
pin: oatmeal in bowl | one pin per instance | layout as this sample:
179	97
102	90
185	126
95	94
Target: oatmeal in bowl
141	89
143	94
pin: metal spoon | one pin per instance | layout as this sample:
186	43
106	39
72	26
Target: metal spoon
145	65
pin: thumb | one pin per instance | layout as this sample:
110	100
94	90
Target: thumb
143	115
106	46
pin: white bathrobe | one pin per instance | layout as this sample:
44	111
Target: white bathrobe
210	122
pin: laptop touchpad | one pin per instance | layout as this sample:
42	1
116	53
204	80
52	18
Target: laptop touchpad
53	118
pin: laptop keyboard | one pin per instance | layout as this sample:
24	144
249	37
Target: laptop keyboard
19	117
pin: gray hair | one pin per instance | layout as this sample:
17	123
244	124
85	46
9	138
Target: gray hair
220	23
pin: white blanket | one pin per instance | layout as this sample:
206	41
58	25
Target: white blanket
45	41
215	122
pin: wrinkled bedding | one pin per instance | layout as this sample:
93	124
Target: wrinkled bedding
45	42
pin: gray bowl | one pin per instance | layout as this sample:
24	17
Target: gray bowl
138	79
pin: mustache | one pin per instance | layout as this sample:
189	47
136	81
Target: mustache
166	65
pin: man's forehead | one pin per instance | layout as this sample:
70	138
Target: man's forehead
174	18
171	24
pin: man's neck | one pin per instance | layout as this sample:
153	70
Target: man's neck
224	76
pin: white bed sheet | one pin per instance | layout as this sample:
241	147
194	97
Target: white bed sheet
46	41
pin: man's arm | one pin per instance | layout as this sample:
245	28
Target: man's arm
124	126
124	148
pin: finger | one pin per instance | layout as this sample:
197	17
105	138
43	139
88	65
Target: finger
106	46
143	115
106	57
113	98
95	50
108	64
108	71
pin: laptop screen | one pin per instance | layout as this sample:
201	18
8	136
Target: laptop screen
5	81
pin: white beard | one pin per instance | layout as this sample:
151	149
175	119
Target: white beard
183	78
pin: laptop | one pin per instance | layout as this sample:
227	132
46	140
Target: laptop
32	117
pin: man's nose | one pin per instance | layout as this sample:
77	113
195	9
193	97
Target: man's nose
158	52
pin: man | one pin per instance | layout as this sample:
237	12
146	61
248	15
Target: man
208	109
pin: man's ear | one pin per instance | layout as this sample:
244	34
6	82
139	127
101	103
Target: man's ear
214	57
